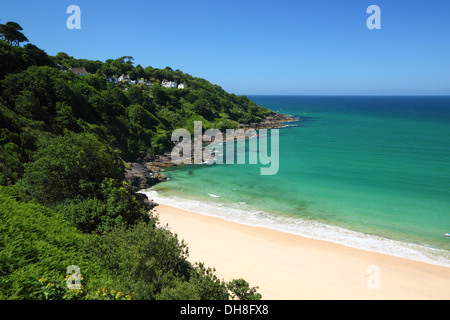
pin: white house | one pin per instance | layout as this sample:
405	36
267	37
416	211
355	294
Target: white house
182	86
124	77
169	84
146	82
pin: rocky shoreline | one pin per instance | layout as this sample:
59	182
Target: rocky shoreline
147	172
277	120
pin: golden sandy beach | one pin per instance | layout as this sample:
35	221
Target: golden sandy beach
290	267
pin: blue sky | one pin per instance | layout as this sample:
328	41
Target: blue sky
259	47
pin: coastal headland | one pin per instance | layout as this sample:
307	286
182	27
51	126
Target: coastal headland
148	170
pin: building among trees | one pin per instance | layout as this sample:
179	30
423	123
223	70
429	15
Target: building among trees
79	71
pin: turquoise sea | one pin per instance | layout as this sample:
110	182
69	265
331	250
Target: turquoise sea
366	171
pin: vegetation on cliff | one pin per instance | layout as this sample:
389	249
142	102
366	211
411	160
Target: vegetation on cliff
65	140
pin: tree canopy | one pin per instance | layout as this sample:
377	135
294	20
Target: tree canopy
11	32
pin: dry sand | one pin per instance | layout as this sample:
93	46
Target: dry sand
290	267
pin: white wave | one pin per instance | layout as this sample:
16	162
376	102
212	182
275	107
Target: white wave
213	195
242	214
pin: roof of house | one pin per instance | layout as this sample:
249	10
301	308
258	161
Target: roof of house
78	70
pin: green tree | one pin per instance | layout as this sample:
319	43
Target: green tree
204	108
141	117
118	205
69	166
10	163
11	32
27	105
240	289
136	95
144	258
209	286
64	118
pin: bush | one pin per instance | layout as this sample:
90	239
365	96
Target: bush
58	290
240	289
117	206
35	242
208	285
68	167
144	259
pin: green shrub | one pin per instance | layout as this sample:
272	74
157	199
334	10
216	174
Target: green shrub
35	242
69	166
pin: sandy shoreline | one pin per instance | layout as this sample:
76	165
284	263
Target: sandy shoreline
290	267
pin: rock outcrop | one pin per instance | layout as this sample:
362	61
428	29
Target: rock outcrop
143	176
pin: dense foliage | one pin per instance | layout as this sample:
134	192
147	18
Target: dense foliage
64	143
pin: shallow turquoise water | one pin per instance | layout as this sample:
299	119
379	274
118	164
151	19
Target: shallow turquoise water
369	172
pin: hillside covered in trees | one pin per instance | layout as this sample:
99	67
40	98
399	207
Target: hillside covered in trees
64	143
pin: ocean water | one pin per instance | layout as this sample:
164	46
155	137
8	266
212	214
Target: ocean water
364	171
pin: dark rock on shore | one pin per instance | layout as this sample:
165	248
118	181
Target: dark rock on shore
163	160
148	203
142	176
273	121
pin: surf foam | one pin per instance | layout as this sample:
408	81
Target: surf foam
244	214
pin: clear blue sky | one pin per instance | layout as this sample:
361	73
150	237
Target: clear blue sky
258	46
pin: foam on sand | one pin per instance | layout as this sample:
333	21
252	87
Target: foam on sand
242	214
